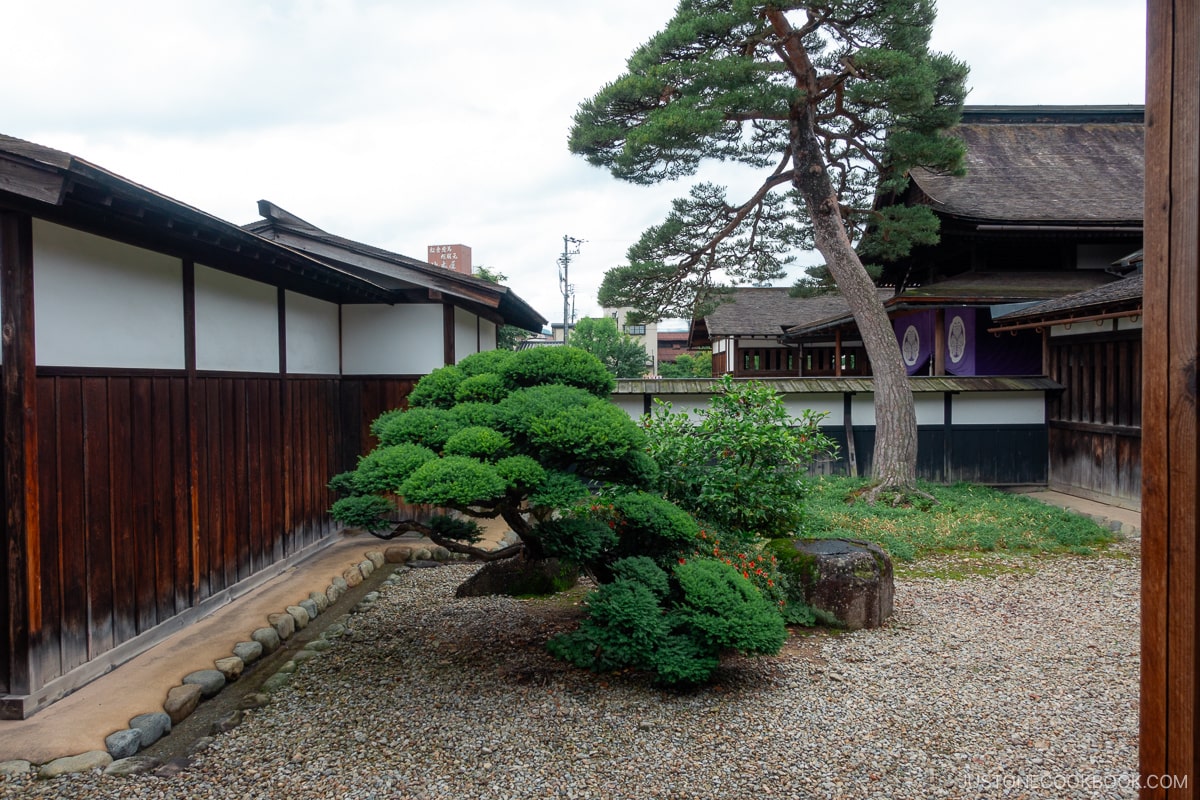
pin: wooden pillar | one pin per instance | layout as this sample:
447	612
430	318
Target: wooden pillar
20	456
837	353
448	334
1170	562
939	342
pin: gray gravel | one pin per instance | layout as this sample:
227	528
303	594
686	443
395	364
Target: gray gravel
1020	684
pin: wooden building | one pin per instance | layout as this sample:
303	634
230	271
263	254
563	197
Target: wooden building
177	392
745	331
1092	347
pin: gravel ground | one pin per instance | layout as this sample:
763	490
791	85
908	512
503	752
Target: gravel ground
1020	684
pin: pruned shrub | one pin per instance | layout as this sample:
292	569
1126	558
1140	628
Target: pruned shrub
568	366
429	427
454	482
385	468
485	388
478	442
436	390
369	512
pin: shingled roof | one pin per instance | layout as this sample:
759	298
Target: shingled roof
1079	165
1114	298
755	311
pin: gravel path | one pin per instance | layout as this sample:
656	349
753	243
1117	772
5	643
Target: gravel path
1020	684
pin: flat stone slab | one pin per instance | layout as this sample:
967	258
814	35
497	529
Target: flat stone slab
84	762
134	765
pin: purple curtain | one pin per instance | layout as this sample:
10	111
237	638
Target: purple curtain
961	338
914	332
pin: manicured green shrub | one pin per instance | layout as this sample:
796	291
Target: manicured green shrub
722	610
486	362
675	627
453	482
369	512
568	366
429	427
577	540
474	413
460	530
596	436
521	473
436	390
485	388
517	412
651	526
385	468
485	444
559	490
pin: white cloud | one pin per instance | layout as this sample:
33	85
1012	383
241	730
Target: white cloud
403	124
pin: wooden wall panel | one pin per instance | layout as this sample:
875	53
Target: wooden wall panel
6	609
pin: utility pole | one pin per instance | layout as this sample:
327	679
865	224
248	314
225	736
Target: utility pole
564	283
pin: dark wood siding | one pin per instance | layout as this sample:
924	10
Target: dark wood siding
160	491
998	455
1095	422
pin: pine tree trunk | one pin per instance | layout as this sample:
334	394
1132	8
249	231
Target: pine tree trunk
895	459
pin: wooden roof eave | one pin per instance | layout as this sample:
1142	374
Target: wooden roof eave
1094	314
853	385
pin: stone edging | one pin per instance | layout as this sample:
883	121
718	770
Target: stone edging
120	756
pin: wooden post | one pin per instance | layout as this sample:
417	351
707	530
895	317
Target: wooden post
20	456
1170	564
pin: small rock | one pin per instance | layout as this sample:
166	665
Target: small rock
376	558
227	722
319	645
306	654
424	563
300	615
84	762
341	584
267	638
181	701
153	726
123	743
439	553
15	768
254	700
210	681
320	599
333	593
134	765
397	554
249	652
352	576
276	682
366	568
284	625
230	666
200	744
173	767
310	606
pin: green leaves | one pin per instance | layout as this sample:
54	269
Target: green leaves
723	82
740	465
620	354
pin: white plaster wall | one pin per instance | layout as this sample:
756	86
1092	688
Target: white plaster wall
999	408
392	340
631	404
313	335
100	303
487	335
466	334
830	404
862	409
1123	323
931	407
237	323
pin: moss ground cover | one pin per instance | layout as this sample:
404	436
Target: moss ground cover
966	520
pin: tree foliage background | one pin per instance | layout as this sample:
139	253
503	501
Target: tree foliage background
621	354
833	103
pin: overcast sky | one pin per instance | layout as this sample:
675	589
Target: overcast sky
404	124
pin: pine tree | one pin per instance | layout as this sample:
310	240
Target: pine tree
833	102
